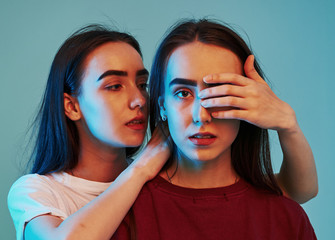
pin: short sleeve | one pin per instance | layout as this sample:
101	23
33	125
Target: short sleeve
29	197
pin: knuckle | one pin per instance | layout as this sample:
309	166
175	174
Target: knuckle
208	91
228	89
234	114
254	105
236	77
213	101
231	101
253	92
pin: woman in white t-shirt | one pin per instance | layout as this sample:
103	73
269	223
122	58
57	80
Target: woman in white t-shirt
98	80
93	118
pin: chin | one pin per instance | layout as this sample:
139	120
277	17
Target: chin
202	156
134	142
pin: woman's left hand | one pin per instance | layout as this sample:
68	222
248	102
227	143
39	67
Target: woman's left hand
247	98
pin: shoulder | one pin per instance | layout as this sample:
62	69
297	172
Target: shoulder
291	208
276	199
153	188
290	211
31	189
27	182
35	191
30	178
31	183
284	210
33	195
270	199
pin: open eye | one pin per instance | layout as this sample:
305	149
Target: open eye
183	94
114	87
143	86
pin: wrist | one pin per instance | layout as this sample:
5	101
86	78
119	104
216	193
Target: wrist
140	169
289	123
292	131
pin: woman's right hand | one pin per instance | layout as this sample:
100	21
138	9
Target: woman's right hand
100	218
155	154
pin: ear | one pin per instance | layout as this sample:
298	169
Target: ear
162	108
71	107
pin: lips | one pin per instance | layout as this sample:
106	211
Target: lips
202	139
137	123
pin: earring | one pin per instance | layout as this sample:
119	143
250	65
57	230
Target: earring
164	118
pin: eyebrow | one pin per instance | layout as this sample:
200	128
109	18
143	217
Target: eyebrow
183	81
142	72
120	73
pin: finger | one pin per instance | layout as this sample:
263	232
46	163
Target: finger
250	70
238	114
224	102
226	78
222	90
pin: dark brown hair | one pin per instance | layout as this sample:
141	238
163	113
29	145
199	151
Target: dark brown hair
250	150
57	140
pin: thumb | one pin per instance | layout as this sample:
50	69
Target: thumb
250	70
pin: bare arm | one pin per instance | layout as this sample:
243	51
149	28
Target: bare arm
100	218
297	177
254	101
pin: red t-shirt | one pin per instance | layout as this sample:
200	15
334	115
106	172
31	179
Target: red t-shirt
240	211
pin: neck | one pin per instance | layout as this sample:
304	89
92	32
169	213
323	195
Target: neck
98	162
213	173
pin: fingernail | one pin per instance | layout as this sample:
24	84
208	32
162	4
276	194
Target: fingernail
203	103
208	78
215	114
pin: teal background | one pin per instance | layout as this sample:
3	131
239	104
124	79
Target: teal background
293	39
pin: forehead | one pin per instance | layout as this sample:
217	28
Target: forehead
196	60
113	55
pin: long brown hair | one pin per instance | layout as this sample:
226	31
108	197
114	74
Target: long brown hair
250	151
57	140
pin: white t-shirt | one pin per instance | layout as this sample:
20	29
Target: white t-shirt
58	194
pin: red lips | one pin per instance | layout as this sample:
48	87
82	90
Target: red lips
137	123
202	139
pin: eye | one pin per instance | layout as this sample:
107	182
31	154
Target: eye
143	86
183	94
114	87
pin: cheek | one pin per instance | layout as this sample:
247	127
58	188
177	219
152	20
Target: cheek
174	120
145	108
89	108
99	113
178	121
230	129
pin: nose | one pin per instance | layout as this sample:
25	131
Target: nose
200	114
137	98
